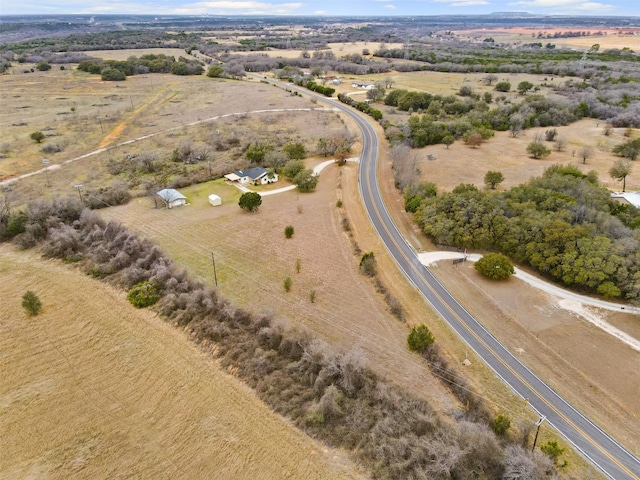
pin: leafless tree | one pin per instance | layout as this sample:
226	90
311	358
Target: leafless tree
515	125
489	79
586	153
560	144
474	140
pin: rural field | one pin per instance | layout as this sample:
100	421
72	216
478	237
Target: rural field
347	311
608	38
462	164
164	107
253	258
93	388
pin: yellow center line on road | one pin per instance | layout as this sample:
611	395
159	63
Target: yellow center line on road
491	350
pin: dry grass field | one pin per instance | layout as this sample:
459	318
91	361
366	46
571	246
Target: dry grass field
347	312
163	108
339	49
462	164
253	257
609	38
93	388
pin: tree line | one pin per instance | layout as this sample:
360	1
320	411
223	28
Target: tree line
564	224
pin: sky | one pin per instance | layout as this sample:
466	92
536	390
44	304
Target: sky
321	7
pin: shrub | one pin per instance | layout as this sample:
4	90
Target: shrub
524	87
474	140
215	71
288	231
112	75
31	303
501	424
553	450
287	283
550	135
143	295
503	86
37	136
295	150
465	91
339	203
538	150
312	296
368	264
495	266
51	148
420	339
293	168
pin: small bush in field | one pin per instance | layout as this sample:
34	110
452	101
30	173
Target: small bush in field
420	339
287	284
31	303
368	264
289	231
501	424
143	295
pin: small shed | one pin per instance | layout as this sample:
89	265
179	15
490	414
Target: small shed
172	198
215	200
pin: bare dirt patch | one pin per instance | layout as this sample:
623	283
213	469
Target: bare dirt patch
92	388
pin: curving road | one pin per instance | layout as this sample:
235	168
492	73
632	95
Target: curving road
604	452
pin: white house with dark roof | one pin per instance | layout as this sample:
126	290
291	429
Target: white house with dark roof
172	198
255	176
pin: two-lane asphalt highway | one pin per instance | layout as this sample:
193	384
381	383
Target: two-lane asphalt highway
603	451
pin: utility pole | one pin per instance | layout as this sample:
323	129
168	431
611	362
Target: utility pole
45	162
215	274
79	186
538	423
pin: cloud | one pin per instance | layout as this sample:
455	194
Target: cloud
243	7
463	3
390	7
469	3
566	6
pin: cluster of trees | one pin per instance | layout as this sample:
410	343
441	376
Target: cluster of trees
447	118
362	106
564	224
314	87
150	63
606	90
333	395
